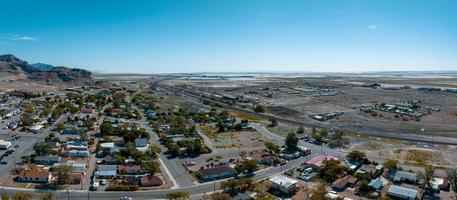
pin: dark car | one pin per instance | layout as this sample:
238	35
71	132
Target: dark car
3	162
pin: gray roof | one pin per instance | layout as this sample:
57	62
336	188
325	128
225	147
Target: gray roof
376	183
47	159
402	192
402	176
141	142
106	170
107	167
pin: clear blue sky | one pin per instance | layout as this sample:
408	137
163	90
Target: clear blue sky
233	35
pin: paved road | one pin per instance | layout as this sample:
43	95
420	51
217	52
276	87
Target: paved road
174	170
196	191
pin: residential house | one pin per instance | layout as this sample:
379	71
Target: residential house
352	165
342	183
46	160
106	171
403	193
364	169
318	160
405	177
214	173
440	184
151	181
141	144
108	145
79	153
130	169
78	168
283	184
378	183
72	130
34	176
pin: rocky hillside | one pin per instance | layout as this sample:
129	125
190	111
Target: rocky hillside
13	68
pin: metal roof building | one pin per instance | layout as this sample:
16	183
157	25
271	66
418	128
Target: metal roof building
283	183
402	192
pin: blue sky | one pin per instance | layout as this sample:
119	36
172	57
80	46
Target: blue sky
233	35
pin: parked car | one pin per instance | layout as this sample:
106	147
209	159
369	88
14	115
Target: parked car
3	162
126	198
103	182
94	186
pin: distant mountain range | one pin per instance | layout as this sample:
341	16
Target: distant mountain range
13	68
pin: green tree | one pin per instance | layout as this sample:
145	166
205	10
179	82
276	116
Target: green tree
272	147
331	170
106	128
151	167
63	173
178	195
300	130
219	196
291	141
260	108
320	192
273	122
5	197
323	133
362	187
173	149
21	196
391	165
47	196
356	155
249	167
233	186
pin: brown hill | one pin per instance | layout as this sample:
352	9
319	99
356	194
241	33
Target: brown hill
13	68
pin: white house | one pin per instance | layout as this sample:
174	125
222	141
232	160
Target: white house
284	184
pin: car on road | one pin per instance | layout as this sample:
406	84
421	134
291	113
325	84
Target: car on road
192	163
16	146
126	198
3	162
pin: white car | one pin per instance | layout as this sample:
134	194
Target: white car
126	198
103	182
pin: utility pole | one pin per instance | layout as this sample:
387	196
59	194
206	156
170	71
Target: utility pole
214	185
14	160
